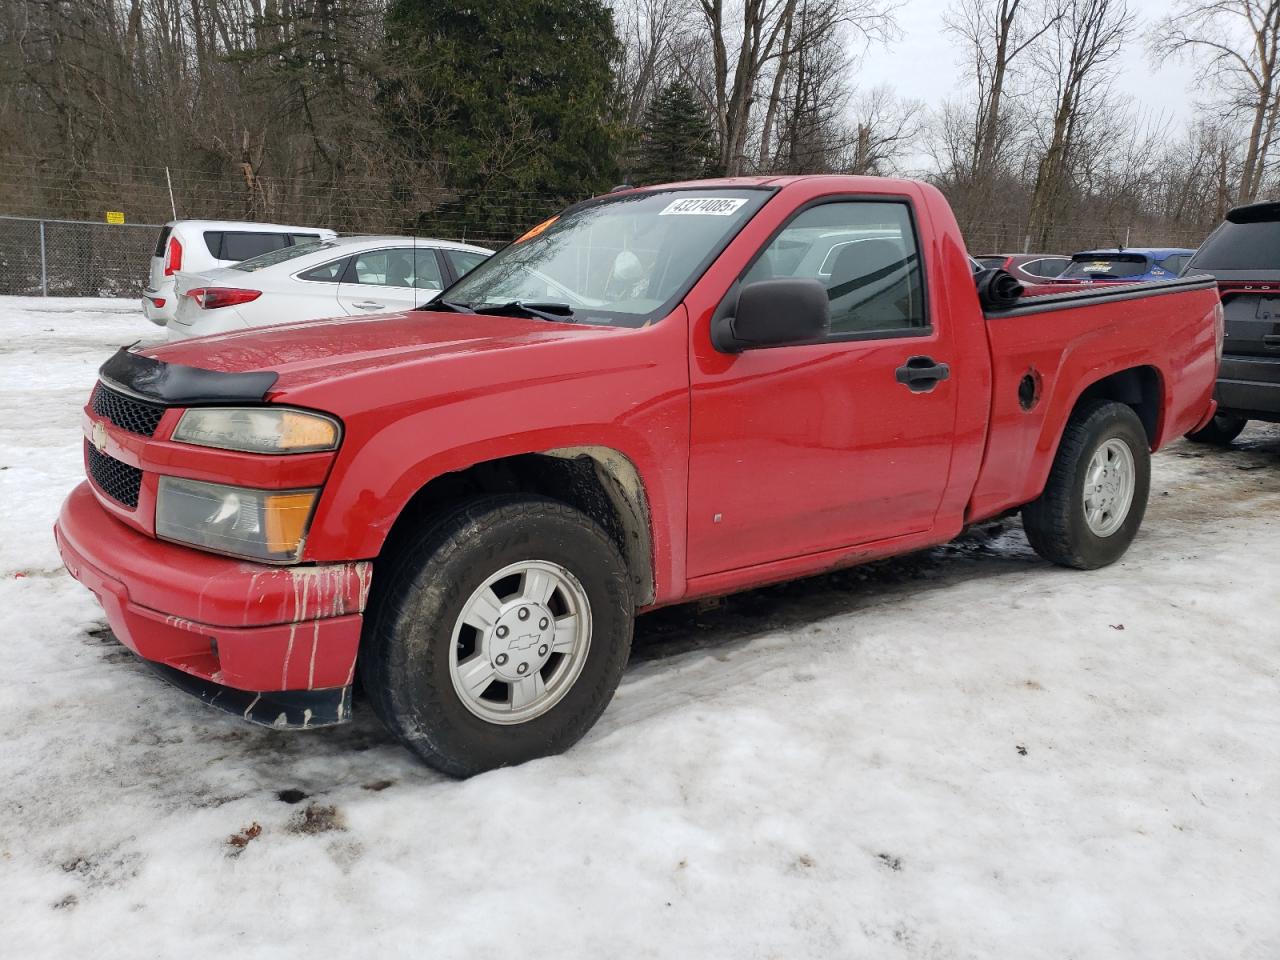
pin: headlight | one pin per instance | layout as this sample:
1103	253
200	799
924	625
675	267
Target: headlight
258	429
255	524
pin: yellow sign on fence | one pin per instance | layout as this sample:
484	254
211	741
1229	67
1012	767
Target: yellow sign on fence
115	216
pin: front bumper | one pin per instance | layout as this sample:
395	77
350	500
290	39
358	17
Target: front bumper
224	623
284	709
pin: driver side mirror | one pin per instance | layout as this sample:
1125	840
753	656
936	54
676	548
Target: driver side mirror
772	313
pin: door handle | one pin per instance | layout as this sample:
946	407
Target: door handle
1271	341
367	305
922	374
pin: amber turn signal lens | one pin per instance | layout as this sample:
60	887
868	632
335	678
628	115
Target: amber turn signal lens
302	431
255	524
285	517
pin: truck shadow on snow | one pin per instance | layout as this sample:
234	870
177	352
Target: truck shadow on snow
984	550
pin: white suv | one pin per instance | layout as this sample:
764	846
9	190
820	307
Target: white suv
208	244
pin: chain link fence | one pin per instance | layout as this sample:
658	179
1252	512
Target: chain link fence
74	258
1069	238
79	258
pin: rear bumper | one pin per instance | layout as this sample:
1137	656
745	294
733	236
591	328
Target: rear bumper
238	625
191	321
159	306
1249	387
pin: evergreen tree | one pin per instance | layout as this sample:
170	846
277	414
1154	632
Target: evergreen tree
513	101
676	138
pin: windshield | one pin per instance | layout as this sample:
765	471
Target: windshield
1108	265
618	261
280	256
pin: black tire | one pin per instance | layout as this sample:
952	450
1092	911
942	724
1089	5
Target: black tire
404	656
1055	522
1219	431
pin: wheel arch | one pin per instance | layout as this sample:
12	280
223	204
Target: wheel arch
1140	387
601	481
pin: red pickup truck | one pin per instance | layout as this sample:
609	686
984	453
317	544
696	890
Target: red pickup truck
661	394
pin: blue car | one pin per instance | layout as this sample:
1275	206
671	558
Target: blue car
1125	265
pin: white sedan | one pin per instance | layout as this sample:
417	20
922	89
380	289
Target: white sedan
345	276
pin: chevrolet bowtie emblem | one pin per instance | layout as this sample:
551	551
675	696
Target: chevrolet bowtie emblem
98	436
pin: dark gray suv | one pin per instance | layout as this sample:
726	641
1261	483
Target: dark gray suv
1243	255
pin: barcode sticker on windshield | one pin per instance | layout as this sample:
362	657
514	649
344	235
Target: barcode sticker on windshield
706	206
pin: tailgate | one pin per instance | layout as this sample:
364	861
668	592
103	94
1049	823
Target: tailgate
1253	324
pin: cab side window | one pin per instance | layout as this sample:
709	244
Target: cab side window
865	254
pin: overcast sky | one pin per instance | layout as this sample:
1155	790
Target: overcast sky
924	63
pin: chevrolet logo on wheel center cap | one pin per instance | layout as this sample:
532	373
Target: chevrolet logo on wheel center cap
524	641
98	436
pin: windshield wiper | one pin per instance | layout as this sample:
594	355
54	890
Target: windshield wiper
555	312
437	303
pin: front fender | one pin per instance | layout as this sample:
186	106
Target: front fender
639	408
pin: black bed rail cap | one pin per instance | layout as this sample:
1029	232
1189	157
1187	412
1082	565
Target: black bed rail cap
177	385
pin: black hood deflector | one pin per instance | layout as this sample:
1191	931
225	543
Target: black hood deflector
177	385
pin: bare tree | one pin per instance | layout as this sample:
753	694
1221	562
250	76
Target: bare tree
743	40
887	128
1074	62
813	132
649	31
995	34
735	73
1240	40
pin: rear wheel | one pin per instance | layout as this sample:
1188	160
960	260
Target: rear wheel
500	634
1219	431
1096	495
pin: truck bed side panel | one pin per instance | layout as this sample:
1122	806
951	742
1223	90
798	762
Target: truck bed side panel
1047	354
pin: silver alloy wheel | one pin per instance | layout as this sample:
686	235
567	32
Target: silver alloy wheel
1109	483
520	642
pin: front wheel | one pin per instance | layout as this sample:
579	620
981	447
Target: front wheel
500	634
1219	431
1096	494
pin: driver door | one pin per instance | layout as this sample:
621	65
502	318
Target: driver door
802	449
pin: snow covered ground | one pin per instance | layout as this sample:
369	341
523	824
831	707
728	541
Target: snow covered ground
964	753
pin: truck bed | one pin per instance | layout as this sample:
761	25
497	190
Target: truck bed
1047	351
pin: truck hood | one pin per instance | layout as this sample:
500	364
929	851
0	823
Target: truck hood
318	350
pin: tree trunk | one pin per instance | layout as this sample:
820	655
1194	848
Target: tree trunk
771	112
